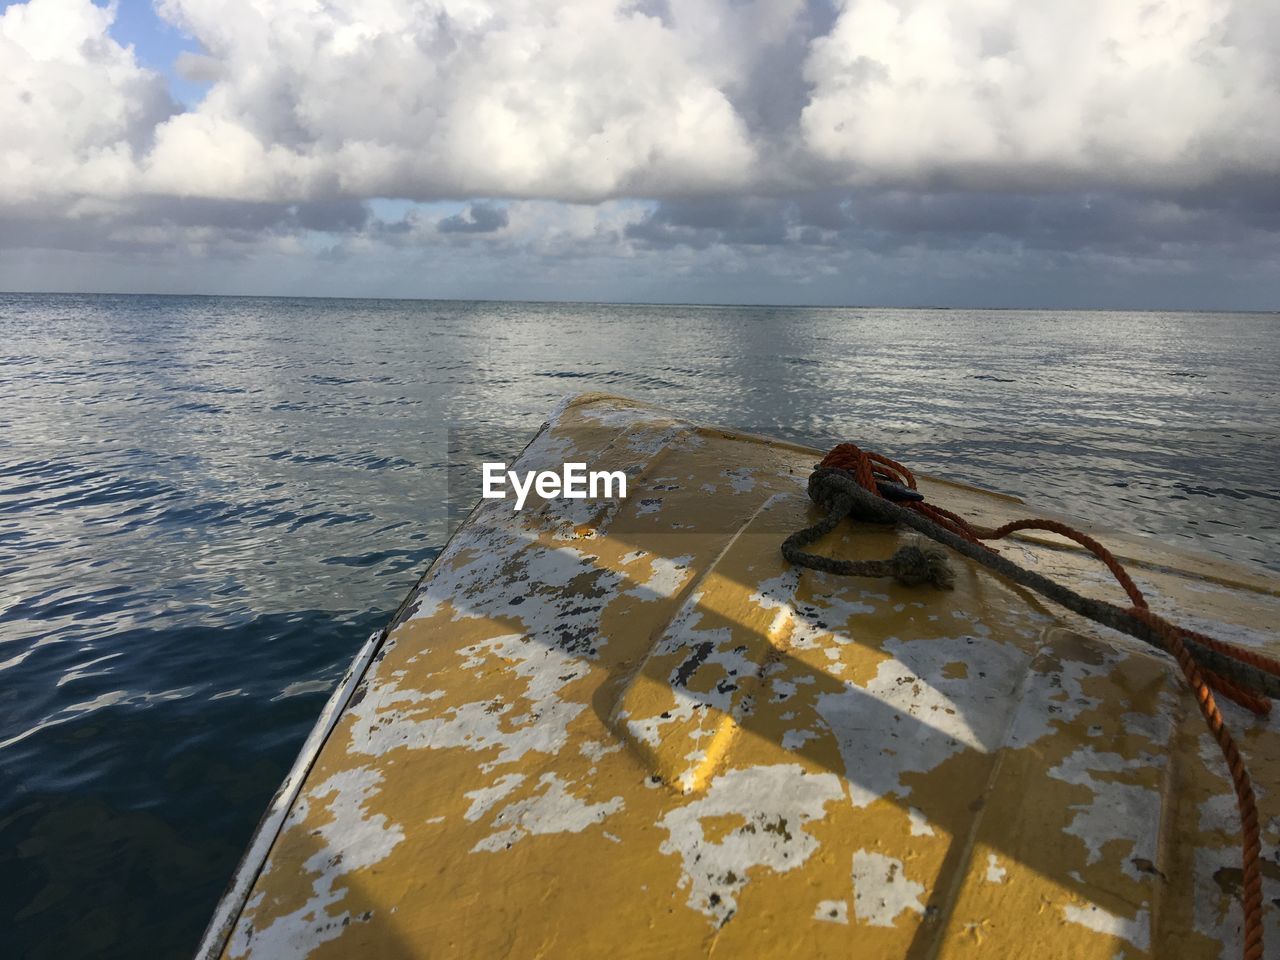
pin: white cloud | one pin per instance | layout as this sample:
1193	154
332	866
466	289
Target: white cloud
1176	92
584	100
76	109
573	100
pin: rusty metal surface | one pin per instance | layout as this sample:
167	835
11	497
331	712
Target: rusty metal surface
629	729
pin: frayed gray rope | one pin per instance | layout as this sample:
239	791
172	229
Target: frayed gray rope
842	496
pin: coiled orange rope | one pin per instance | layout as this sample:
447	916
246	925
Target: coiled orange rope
872	471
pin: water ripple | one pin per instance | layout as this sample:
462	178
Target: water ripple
206	504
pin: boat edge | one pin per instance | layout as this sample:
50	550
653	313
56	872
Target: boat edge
231	903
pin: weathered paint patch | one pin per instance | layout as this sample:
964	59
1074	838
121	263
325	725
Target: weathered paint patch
795	739
902	723
1053	693
595	750
832	911
555	810
535	719
918	823
557	594
351	839
667	576
821	624
881	890
995	872
484	798
1136	931
775	803
1118	810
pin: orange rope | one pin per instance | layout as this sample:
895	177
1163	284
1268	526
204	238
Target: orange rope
1251	847
867	468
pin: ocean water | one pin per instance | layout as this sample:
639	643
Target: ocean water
206	504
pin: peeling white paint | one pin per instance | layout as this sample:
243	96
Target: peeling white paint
995	872
795	739
555	810
902	723
351	840
667	576
777	593
1118	810
502	571
782	690
1219	811
775	803
1213	913
918	823
829	621
1053	693
596	750
832	911
486	797
1136	931
881	890
389	718
721	656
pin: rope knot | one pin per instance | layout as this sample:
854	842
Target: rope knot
829	490
913	565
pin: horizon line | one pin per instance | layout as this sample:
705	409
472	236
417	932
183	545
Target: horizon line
637	303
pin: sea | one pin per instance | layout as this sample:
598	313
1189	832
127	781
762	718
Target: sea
207	504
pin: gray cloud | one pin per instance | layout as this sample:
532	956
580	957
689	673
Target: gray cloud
145	225
1121	223
721	145
479	218
704	222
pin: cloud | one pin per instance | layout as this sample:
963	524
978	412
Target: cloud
996	92
76	110
789	139
572	99
479	218
584	100
701	223
551	250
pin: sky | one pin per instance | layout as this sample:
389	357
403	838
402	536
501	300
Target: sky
969	153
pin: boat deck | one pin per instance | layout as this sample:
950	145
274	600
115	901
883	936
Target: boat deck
628	728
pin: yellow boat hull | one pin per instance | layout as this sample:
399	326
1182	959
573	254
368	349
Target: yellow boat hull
630	729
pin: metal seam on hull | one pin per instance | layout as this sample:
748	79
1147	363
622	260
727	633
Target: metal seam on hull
1170	810
688	601
729	727
932	947
227	913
